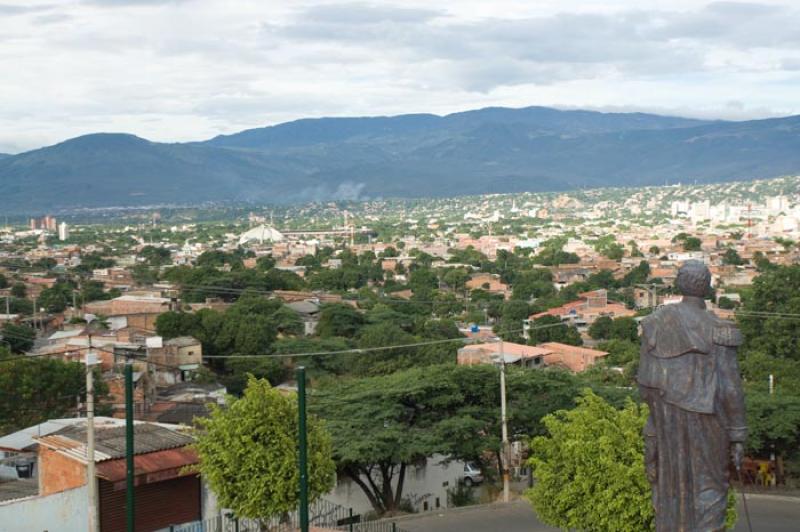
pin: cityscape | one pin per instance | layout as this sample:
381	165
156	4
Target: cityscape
390	272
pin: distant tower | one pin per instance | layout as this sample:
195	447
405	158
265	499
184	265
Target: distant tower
63	231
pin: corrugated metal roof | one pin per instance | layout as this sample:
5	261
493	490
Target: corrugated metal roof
25	438
170	462
110	442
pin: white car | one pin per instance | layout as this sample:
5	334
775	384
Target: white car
472	475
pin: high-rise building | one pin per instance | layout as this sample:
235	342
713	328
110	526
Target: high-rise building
63	231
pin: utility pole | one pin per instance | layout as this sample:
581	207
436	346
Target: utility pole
34	312
129	501
91	480
8	304
772	446
503	420
303	447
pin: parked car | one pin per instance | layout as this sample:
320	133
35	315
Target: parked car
472	475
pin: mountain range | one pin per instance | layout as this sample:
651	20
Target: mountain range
490	150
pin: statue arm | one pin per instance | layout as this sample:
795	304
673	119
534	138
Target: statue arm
650	450
650	437
730	390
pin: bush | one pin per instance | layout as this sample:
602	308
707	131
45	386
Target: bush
589	470
461	495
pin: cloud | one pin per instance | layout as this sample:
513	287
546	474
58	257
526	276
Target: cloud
365	13
19	9
190	69
131	3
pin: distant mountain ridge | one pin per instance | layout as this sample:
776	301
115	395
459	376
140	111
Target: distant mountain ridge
490	150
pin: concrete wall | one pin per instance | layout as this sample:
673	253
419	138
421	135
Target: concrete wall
60	512
423	484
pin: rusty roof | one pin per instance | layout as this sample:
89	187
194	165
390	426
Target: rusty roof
110	442
161	464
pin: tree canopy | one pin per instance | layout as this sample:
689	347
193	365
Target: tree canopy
34	390
408	416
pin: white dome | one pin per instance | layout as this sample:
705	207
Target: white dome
261	234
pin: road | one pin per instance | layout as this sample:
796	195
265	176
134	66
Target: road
767	514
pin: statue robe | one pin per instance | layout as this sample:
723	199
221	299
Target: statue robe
689	378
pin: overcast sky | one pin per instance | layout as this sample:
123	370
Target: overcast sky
177	70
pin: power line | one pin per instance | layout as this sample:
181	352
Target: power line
337	352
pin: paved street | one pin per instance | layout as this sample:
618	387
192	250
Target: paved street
767	514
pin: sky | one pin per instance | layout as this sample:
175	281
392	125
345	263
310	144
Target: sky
181	70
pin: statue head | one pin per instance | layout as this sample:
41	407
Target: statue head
694	279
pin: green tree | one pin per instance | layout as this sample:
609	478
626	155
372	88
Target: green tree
589	468
600	329
773	424
94	261
155	256
692	243
620	352
46	263
613	251
173	324
93	291
265	263
552	329
533	284
402	419
56	298
732	258
339	319
775	292
638	275
511	318
19	338
318	365
625	328
552	253
456	278
37	389
18	290
248	453
386	334
239	370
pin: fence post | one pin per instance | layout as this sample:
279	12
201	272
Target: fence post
394	527
351	519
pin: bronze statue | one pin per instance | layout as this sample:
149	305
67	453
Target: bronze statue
689	377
